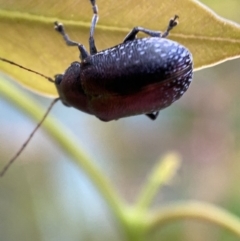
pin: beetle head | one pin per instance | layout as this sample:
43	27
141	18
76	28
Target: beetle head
67	81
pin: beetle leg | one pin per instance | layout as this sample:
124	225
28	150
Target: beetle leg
153	116
93	49
83	52
59	28
172	23
132	35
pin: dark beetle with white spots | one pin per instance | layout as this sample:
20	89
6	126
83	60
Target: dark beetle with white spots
139	76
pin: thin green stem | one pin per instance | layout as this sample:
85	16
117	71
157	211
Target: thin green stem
162	173
136	215
194	210
67	143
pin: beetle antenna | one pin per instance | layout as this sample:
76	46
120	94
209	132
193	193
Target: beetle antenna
10	162
22	67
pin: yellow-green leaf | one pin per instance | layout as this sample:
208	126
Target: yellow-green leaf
27	35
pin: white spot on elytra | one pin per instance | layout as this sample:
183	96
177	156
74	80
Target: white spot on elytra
167	44
180	60
183	54
157	50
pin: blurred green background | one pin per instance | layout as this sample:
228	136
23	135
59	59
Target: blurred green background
45	197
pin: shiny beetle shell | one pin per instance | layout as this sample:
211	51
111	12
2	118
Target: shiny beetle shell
141	76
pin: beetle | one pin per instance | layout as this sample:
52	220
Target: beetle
137	76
